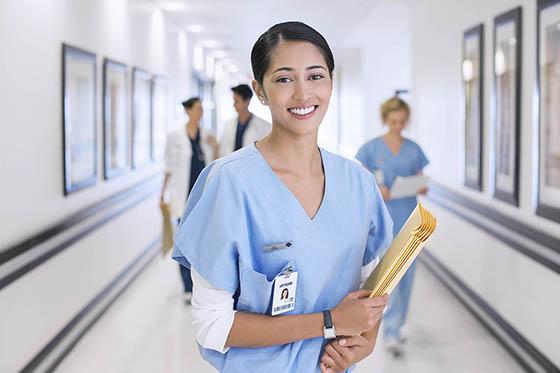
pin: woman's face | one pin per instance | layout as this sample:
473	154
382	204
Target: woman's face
195	112
396	120
297	87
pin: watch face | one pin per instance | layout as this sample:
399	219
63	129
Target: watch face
329	333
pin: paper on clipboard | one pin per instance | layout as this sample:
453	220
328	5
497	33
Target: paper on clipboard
407	186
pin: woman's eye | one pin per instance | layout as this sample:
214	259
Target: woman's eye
283	80
316	77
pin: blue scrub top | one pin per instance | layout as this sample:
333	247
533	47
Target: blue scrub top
239	206
410	160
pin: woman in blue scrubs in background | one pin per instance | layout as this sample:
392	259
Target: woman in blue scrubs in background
283	213
387	157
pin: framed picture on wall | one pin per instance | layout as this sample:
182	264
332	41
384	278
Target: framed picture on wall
548	82
79	69
141	118
159	115
115	119
472	69
507	105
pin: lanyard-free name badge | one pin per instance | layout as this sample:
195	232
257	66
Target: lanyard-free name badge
284	294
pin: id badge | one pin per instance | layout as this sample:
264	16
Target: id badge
284	294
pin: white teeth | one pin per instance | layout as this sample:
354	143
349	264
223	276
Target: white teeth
304	111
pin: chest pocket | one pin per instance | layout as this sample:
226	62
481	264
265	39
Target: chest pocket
256	291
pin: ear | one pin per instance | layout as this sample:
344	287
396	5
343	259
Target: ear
260	92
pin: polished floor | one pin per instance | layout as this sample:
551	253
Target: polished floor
147	330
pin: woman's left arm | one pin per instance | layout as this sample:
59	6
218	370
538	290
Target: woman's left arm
422	162
347	351
423	191
341	354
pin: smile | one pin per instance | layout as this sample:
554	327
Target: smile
303	112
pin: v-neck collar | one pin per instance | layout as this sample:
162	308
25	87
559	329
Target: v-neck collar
391	150
291	195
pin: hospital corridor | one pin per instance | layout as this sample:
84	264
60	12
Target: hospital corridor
198	186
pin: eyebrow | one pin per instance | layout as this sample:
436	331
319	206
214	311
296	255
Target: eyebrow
292	69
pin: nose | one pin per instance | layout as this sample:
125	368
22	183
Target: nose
301	90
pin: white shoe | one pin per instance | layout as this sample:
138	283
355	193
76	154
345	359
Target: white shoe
394	347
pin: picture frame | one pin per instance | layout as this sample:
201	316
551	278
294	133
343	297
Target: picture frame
507	104
473	103
141	118
116	128
159	115
548	88
79	118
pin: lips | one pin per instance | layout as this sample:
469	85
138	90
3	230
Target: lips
303	112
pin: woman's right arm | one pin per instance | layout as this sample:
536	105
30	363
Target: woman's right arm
218	326
355	314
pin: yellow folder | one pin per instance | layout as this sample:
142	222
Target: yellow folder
167	230
403	250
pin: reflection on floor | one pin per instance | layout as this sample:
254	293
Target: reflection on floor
148	330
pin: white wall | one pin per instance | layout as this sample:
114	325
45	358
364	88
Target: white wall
384	36
36	306
437	28
31	34
373	61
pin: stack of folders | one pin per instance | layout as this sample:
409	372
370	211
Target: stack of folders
402	252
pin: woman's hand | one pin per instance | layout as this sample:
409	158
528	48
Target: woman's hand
357	313
211	139
341	354
385	192
423	191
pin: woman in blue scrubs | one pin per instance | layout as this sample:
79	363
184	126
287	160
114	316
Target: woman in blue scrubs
387	157
283	213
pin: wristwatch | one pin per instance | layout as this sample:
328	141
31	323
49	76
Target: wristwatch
328	329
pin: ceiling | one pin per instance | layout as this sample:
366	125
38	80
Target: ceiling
236	24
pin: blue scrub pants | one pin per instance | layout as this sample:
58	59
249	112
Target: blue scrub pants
186	277
395	315
185	274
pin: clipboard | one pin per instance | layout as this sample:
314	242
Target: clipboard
407	186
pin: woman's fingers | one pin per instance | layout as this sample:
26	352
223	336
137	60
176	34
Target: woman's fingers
340	361
376	302
325	368
354	341
345	353
359	294
329	362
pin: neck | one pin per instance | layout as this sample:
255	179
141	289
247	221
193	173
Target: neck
286	151
394	135
244	116
192	124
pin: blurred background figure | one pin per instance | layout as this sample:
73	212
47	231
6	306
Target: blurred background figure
246	128
188	150
387	157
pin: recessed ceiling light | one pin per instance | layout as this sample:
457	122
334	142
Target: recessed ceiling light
171	6
195	28
210	44
220	54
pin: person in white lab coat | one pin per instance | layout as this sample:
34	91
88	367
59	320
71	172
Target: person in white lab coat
246	128
188	150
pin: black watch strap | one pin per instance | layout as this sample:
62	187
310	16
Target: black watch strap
327	319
